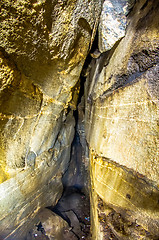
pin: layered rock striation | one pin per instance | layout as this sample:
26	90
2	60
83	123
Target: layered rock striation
121	123
43	46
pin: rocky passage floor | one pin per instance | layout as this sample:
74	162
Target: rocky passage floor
74	208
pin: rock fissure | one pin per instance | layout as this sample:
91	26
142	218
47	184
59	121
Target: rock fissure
79	129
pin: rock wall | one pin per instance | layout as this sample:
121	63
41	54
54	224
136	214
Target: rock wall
121	123
43	46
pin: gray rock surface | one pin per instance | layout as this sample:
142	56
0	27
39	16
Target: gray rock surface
113	22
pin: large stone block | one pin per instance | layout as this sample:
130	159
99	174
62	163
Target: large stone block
122	100
43	47
124	127
125	205
122	131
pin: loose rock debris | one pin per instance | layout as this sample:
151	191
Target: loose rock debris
69	219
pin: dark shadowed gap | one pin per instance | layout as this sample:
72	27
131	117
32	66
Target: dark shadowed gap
74	204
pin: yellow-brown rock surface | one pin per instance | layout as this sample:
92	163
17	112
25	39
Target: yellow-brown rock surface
122	113
122	201
43	45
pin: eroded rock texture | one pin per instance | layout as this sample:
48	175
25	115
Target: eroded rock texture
122	103
43	45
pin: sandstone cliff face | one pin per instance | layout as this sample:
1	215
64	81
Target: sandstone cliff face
43	45
122	103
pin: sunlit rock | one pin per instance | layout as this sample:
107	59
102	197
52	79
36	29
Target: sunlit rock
122	100
125	205
113	22
121	123
43	46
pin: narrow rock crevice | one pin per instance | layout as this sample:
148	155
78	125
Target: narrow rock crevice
79	120
74	205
